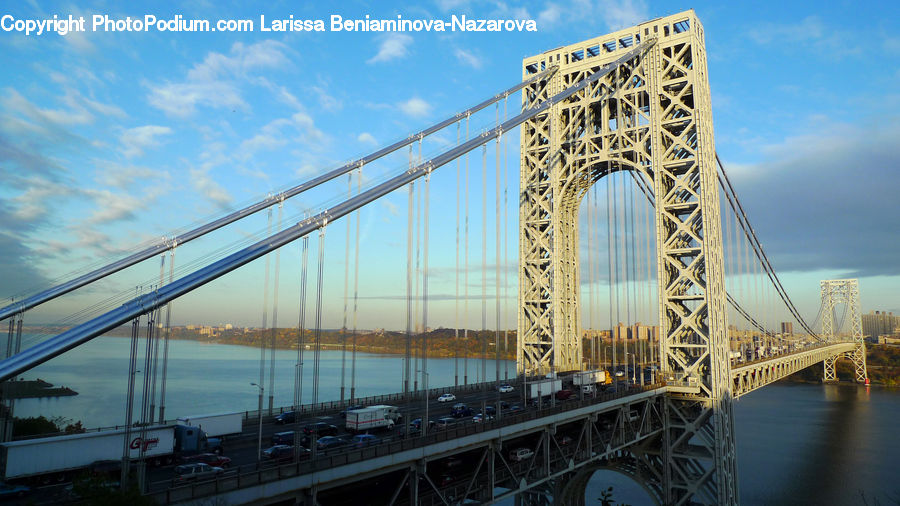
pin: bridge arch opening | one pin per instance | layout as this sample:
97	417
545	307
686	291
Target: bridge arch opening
616	269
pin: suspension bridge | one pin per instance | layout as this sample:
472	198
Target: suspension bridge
628	112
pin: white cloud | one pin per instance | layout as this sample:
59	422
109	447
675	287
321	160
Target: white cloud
136	140
209	189
618	15
549	16
215	81
810	31
468	58
121	176
415	107
366	138
299	128
393	46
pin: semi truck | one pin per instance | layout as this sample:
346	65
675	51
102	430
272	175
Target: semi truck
544	387
589	377
221	424
372	418
61	458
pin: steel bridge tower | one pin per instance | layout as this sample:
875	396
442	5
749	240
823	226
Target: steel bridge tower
843	291
652	116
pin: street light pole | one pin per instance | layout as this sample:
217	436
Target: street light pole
259	413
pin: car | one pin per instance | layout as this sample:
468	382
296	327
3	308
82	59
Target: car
212	459
481	418
563	394
515	407
363	440
565	441
490	410
321	428
520	454
460	410
351	408
505	388
279	453
283	438
286	417
330	442
446	398
444	423
196	471
11	490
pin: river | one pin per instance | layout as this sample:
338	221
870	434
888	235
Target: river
796	443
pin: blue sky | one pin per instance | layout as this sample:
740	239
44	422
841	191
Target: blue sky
110	140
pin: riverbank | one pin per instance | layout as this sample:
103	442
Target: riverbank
439	343
34	389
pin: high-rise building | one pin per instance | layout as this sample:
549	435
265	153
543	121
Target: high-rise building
879	323
787	328
636	331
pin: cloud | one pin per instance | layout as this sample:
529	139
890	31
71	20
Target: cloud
828	200
209	189
393	46
366	138
299	128
121	176
550	15
468	58
415	107
136	140
618	15
810	31
215	82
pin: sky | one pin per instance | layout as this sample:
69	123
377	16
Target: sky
111	140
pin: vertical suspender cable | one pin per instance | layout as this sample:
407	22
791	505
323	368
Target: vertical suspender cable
610	257
590	269
417	332
156	332
505	245
274	317
165	365
466	273
595	266
497	255
301	326
262	333
318	335
651	318
346	292
129	402
484	262
456	299
355	290
409	288
425	284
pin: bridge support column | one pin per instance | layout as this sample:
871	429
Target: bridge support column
650	115
843	291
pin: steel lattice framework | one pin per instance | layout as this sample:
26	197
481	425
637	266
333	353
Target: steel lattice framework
843	291
651	115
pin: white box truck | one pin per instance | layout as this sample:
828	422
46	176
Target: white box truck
215	425
589	377
544	387
371	418
59	458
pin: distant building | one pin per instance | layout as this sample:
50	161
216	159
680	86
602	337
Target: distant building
636	331
787	328
228	326
878	323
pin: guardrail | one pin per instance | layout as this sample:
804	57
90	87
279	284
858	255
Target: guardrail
254	474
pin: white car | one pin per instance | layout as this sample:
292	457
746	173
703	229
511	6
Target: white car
446	398
505	389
